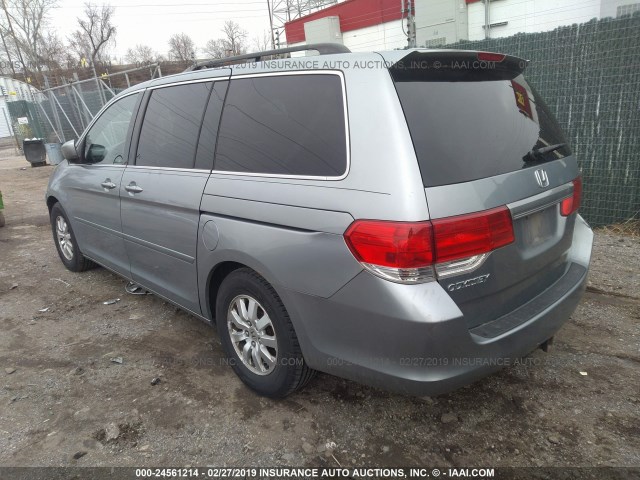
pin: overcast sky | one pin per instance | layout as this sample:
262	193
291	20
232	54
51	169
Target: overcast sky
152	22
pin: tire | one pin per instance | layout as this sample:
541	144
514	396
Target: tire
66	242
277	369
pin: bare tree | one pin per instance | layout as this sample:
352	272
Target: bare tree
233	42
235	37
80	46
216	49
6	64
26	20
9	51
262	42
141	54
96	32
182	48
52	51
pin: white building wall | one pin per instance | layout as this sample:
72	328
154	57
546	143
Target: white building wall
529	16
323	30
609	8
385	36
5	119
440	21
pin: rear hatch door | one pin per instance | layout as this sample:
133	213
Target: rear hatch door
485	139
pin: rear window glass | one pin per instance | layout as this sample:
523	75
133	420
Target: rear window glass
284	125
467	130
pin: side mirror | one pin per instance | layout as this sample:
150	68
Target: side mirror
69	151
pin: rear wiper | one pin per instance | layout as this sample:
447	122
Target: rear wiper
535	154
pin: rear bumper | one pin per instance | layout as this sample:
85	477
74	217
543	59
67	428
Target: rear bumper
414	339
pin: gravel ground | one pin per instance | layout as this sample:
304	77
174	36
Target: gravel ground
65	398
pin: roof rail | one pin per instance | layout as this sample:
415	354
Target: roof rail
321	48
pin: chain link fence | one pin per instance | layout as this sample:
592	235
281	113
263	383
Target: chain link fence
62	111
589	75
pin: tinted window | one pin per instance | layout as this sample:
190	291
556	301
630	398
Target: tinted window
169	134
105	140
285	125
464	131
209	131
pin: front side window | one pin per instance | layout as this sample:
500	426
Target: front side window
105	140
171	126
284	125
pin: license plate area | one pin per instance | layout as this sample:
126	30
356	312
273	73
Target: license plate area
538	227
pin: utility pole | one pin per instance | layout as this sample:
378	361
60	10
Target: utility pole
487	19
273	38
411	23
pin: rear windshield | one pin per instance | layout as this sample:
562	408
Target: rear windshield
467	130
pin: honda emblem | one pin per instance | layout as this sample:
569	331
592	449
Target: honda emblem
542	178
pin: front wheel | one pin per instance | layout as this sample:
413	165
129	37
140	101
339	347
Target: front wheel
258	337
66	243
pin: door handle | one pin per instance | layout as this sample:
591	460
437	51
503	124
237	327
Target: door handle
133	188
108	184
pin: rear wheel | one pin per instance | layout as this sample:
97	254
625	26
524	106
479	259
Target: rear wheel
258	337
66	243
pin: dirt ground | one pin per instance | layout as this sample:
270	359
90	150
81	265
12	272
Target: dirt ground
63	393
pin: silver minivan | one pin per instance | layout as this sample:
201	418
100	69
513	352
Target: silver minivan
404	219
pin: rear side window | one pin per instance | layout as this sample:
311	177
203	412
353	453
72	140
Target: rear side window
284	125
171	126
467	130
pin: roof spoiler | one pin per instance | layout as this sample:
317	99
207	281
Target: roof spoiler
456	66
321	48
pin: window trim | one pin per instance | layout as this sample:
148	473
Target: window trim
173	169
135	134
338	73
130	131
144	104
225	77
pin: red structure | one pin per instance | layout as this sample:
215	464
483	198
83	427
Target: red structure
353	14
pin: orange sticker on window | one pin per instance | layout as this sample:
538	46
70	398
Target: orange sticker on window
522	99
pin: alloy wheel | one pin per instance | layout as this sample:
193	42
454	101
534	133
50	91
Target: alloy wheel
64	237
252	334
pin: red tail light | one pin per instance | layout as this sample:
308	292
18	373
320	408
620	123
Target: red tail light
406	251
570	205
391	244
468	235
